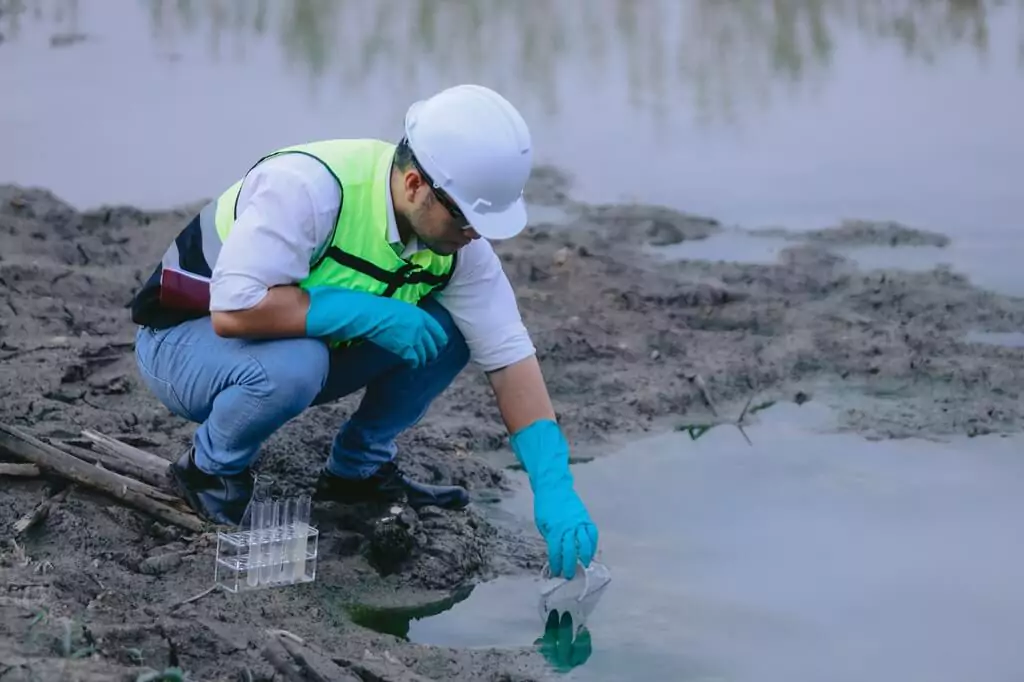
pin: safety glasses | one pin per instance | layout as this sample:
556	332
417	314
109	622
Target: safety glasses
442	196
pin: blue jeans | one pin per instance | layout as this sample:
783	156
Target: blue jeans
241	391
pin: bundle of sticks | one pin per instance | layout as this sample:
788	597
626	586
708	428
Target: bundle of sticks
124	472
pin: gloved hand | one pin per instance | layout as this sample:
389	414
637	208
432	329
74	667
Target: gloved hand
400	327
559	513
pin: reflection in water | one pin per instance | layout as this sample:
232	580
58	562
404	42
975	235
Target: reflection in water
562	644
60	14
397	619
713	51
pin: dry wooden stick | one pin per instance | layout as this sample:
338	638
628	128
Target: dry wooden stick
194	597
40	512
134	493
276	655
125	451
115	477
313	663
132	468
22	470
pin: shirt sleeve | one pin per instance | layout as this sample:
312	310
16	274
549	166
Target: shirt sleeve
286	214
483	305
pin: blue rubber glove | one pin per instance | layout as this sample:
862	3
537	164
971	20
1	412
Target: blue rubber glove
559	513
400	327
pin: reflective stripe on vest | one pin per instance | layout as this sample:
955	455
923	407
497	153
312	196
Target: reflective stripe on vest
210	243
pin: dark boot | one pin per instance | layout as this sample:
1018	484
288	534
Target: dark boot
389	484
220	499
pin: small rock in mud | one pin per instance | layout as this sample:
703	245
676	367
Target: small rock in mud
161	563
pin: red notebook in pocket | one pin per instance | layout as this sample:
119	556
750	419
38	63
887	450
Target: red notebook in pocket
182	290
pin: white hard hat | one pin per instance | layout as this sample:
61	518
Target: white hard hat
476	148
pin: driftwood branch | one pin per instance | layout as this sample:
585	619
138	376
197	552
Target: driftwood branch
297	660
140	470
282	662
125	451
142	496
21	470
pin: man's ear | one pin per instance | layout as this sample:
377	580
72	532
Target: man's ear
412	183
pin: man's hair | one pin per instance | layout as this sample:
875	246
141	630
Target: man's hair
403	155
404	159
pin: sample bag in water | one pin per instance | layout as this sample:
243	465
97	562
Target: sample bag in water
577	596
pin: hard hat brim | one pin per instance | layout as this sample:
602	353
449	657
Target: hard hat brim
497	225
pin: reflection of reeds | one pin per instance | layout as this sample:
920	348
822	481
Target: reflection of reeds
712	51
62	13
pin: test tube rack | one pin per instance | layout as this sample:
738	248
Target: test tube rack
279	548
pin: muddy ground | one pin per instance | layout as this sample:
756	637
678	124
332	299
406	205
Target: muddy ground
620	335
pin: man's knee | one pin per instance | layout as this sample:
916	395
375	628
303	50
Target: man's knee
292	372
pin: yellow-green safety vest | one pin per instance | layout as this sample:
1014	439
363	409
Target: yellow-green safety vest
359	255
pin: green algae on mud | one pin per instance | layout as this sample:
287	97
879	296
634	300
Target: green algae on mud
620	336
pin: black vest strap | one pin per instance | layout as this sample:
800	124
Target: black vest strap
410	273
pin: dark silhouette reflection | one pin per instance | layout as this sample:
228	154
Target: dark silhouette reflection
564	646
396	620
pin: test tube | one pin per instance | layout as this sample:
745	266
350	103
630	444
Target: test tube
255	513
261	494
283	572
270	545
300	536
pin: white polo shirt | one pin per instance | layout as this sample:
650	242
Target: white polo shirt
286	212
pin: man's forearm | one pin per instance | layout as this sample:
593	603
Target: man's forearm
542	449
281	314
522	394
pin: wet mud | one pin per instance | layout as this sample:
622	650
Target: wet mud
862	233
626	343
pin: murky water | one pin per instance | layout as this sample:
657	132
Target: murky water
982	259
810	555
1008	339
796	112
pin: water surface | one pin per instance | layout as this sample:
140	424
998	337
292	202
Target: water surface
811	555
796	112
1007	339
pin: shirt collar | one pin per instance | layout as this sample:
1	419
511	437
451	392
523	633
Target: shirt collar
394	238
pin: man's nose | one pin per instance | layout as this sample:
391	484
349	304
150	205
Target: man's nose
471	233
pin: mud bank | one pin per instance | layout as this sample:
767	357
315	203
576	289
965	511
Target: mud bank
862	233
621	337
